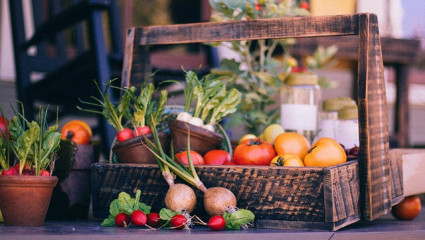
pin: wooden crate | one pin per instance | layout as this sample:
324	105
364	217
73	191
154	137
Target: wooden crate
280	197
375	183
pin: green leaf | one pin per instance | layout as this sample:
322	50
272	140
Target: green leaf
126	203
108	222
114	207
144	208
166	214
236	220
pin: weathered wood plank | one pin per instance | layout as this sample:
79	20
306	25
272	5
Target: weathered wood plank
373	122
272	193
341	183
249	30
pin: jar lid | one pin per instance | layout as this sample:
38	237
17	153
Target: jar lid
302	79
335	104
348	112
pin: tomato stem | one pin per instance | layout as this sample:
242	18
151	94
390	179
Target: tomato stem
69	135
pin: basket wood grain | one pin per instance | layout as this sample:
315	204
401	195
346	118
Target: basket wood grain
315	198
374	164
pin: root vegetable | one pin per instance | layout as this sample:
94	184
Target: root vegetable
139	218
122	220
180	198
196	121
209	127
154	219
179	221
184	116
217	223
218	200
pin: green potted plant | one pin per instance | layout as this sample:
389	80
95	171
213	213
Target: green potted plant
26	187
130	117
211	101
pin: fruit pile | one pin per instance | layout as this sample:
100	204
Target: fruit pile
277	148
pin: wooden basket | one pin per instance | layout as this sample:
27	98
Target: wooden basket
376	188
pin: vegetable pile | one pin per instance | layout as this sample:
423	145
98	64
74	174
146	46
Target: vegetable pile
128	212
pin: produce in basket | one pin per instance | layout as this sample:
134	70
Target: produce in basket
128	117
325	152
212	101
217	200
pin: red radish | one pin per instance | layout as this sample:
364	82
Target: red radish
138	218
122	220
139	131
10	171
178	221
217	223
154	219
4	122
27	172
45	173
124	134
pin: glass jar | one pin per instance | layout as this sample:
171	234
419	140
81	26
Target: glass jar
299	104
348	127
328	118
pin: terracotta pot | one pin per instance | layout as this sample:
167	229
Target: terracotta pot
134	151
24	200
201	140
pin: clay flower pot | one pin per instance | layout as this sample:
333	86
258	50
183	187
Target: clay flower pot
134	151
24	200
201	140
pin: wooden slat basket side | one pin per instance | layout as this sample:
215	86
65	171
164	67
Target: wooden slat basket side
374	165
323	196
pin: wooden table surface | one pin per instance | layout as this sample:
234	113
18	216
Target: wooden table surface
386	227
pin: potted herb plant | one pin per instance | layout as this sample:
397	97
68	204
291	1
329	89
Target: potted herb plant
212	102
130	118
26	187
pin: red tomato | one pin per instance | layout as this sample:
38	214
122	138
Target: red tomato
304	5
229	163
124	134
217	157
197	158
139	131
408	209
3	123
254	152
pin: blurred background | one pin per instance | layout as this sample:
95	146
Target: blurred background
399	19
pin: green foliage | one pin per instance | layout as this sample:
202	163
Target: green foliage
124	204
239	219
260	73
31	143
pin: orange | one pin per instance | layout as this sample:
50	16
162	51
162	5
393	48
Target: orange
291	142
325	152
287	160
82	123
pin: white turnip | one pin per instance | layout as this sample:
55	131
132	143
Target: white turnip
180	198
218	200
184	116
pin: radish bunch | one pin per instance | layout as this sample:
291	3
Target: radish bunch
181	198
126	210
